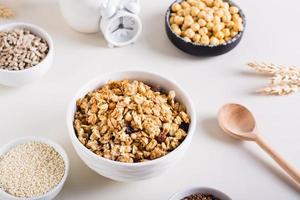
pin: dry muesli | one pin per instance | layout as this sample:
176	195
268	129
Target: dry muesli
30	169
129	121
21	49
206	22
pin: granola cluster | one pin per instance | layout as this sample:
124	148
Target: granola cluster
129	121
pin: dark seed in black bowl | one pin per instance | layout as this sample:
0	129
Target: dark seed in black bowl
201	197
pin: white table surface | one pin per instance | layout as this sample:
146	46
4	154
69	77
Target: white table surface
241	170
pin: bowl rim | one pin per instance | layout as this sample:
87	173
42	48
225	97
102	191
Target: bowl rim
58	148
213	192
34	28
105	78
232	3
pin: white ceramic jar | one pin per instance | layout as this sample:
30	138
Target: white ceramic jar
82	15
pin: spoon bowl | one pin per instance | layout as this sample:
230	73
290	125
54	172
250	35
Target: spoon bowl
237	121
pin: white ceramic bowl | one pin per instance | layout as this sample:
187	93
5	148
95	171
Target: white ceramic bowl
52	193
22	77
132	171
203	190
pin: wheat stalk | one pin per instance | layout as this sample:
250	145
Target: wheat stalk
283	80
6	12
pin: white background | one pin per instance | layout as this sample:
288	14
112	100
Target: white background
241	170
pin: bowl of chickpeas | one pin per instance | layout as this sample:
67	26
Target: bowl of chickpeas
205	27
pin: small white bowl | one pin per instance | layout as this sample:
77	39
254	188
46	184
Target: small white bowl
52	193
202	190
23	77
132	171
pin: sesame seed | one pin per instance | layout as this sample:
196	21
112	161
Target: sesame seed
30	169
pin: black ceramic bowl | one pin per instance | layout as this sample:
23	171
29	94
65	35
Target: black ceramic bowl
203	50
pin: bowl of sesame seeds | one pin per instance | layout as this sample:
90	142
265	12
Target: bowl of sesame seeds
26	53
32	168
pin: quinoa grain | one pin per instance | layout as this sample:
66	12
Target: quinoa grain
30	169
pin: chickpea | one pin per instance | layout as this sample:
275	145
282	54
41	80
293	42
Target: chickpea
225	5
174	26
236	18
187	39
217	20
222	25
196	38
233	33
210	25
201	22
214	41
226	17
200	5
178	20
209	2
233	10
188	20
207	9
219	13
204	40
209	17
219	35
177	31
184	27
229	24
218	3
238	27
214	9
201	14
172	20
195	27
191	2
217	27
227	38
176	7
221	41
185	4
186	11
203	31
189	33
226	32
194	11
180	13
195	3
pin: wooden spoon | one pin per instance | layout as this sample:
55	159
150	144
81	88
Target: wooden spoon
238	122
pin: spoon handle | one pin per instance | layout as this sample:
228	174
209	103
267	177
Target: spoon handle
286	166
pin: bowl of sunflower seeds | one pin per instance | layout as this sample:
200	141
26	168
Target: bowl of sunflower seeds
26	53
131	125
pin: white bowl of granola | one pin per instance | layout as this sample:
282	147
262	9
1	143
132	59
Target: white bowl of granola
127	127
